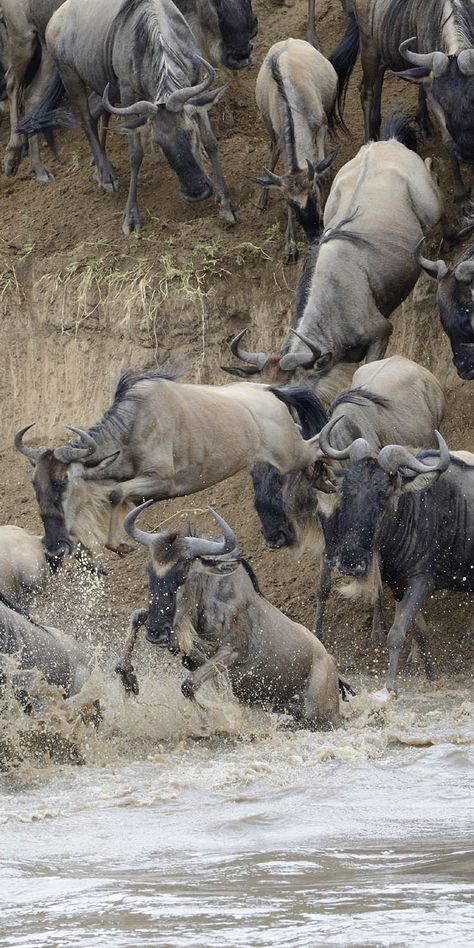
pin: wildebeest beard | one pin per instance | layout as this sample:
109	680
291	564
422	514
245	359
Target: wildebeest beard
162	605
351	532
455	94
50	484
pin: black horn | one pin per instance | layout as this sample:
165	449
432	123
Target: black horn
466	62
33	454
257	359
464	272
437	62
177	100
394	456
68	453
140	536
434	268
198	546
138	108
294	360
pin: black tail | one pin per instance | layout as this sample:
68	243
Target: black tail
400	126
345	689
343	58
311	414
45	115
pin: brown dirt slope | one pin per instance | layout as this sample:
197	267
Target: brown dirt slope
80	302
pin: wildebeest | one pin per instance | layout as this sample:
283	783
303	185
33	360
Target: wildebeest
142	54
394	400
205	603
443	33
162	438
380	205
455	299
57	656
29	70
417	514
299	95
223	29
23	563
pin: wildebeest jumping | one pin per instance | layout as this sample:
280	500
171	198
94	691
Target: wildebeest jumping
442	32
142	54
162	438
416	512
455	299
205	603
299	95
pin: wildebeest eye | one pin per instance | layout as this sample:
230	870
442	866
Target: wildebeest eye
57	483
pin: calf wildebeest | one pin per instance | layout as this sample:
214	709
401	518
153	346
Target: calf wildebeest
57	656
205	603
162	438
143	54
395	400
381	203
299	95
443	33
23	563
455	299
417	514
29	70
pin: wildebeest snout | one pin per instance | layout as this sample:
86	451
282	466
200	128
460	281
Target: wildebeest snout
161	636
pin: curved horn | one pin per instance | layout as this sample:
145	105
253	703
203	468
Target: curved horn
33	454
177	100
68	452
140	536
394	456
198	546
292	360
258	359
464	272
326	446
434	268
466	62
311	169
139	108
436	62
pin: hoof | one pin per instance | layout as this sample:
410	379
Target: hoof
228	215
43	176
129	679
187	688
291	255
10	166
121	550
115	497
110	187
131	224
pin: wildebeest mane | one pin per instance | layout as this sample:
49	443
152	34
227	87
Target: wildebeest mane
399	126
402	15
10	604
165	62
121	414
359	396
289	129
251	574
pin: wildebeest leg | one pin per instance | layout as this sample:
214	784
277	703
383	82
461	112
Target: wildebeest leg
377	633
20	55
39	85
150	485
291	247
131	216
274	156
371	92
210	145
405	612
423	116
321	699
421	636
225	657
77	92
323	591
124	666
36	165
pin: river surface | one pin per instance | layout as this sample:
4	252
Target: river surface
212	824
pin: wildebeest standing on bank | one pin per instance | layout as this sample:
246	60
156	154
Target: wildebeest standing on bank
142	54
162	438
395	400
417	514
205	603
455	299
223	29
299	95
442	32
364	266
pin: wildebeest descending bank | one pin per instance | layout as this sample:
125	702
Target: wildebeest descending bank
141	53
455	299
204	601
442	32
161	438
417	514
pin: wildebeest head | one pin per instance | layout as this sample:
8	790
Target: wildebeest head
277	530
301	190
449	80
368	488
171	555
455	298
53	470
237	25
175	130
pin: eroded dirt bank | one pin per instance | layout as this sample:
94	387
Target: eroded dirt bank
80	302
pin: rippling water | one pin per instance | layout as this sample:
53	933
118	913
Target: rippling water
215	825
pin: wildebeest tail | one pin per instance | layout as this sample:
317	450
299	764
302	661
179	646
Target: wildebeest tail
345	689
343	59
400	126
46	114
311	414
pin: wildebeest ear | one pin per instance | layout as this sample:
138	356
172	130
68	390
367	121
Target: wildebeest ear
418	482
210	98
417	74
242	372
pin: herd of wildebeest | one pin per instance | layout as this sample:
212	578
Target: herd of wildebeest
351	462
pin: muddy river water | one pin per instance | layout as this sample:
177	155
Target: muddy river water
216	825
